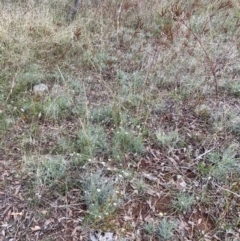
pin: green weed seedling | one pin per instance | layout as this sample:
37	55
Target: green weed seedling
100	195
165	138
224	164
59	107
164	230
235	89
150	228
91	140
125	141
50	171
102	115
140	185
183	202
64	145
4	122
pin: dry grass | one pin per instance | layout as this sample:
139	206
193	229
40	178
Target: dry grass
147	92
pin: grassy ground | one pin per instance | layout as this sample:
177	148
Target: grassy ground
139	132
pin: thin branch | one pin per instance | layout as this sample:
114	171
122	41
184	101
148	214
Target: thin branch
227	190
209	59
74	10
200	156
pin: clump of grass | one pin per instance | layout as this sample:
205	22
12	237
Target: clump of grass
235	127
100	194
64	146
59	107
102	115
91	141
165	138
204	112
48	170
150	228
52	170
162	231
108	115
226	119
132	86
4	122
224	164
26	80
183	202
132	100
203	168
77	90
19	96
139	185
125	142
234	89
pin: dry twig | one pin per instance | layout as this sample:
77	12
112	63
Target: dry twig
73	10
